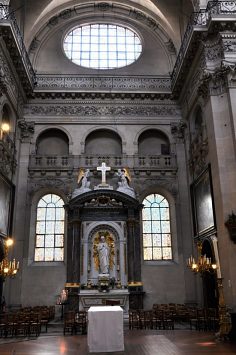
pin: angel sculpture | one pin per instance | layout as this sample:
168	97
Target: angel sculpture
85	183
123	183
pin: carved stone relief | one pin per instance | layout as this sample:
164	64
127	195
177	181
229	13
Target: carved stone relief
26	129
94	110
50	182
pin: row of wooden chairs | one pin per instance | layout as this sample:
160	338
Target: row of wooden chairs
150	319
75	322
26	321
166	317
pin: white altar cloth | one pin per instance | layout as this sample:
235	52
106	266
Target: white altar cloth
105	329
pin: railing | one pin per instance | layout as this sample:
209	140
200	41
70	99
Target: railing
70	162
51	162
221	7
7	15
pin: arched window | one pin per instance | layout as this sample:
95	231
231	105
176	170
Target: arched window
156	228
49	245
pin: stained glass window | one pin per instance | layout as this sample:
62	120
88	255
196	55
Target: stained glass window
156	228
49	243
102	46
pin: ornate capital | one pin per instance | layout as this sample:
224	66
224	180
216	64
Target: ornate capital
26	129
178	129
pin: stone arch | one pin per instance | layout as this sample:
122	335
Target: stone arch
62	20
153	141
103	141
107	226
52	141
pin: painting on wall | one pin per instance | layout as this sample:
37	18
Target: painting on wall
202	204
6	194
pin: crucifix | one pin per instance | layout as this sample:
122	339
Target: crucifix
103	169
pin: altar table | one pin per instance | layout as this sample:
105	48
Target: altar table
105	329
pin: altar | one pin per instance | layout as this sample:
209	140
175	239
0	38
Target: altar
105	329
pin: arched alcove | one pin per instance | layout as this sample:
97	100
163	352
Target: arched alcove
53	142
103	142
153	142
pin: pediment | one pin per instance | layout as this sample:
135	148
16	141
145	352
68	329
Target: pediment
103	199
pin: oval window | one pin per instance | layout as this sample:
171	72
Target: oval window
102	46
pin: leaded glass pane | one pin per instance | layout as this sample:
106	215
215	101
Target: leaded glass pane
147	254
60	214
147	240
55	199
147	227
156	227
166	240
47	198
49	254
51	214
41	213
50	227
40	227
165	203
157	253
146	214
165	213
157	240
39	254
49	241
59	240
167	253
156	214
59	254
165	226
40	241
59	227
159	199
42	203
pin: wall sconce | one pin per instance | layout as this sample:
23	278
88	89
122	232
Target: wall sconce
8	268
202	264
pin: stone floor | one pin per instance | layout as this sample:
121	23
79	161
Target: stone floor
137	342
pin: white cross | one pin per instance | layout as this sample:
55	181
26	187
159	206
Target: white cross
103	169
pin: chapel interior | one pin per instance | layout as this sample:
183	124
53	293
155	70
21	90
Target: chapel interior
117	120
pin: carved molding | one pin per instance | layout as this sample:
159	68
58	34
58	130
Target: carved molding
75	82
213	49
93	110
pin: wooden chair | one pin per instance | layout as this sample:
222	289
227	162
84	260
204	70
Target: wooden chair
81	322
69	322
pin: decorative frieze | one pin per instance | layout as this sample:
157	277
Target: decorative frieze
149	84
93	110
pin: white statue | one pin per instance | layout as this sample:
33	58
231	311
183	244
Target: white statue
103	255
123	183
85	183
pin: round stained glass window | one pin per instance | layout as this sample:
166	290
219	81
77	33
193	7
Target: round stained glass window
102	46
